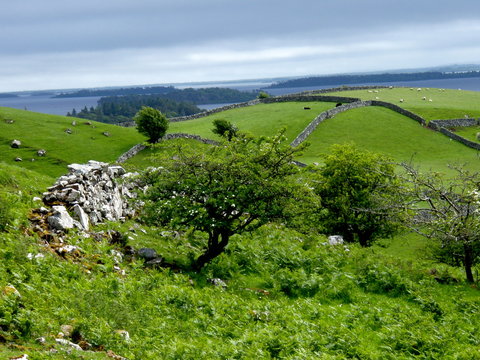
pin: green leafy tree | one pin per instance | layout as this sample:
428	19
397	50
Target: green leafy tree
230	189
447	211
358	191
224	128
151	123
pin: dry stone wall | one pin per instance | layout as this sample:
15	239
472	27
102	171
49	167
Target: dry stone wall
91	193
437	124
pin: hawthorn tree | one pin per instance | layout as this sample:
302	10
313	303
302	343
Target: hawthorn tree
447	211
358	191
151	123
229	189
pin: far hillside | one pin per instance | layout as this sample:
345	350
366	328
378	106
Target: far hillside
382	130
63	142
430	103
261	119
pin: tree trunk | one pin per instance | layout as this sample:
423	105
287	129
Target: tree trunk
214	249
468	262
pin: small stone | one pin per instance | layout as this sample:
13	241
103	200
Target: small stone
124	334
335	240
218	282
67	330
65	342
147	254
11	290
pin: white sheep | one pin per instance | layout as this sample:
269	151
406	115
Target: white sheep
401	100
424	98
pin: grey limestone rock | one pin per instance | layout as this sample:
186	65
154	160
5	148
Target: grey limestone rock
60	220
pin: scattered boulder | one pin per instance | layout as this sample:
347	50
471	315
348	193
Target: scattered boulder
15	144
68	131
335	240
74	123
106	133
9	121
18	159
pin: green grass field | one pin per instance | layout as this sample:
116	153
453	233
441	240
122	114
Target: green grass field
445	104
41	131
384	131
262	119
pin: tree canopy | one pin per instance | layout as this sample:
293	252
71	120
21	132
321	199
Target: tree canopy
232	188
358	194
151	123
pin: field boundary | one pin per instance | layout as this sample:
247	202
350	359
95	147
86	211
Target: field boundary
343	104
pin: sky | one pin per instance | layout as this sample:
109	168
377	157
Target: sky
61	44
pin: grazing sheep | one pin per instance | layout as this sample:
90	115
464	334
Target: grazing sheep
424	98
401	100
430	100
377	98
419	89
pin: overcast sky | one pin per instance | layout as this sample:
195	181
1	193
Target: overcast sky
54	44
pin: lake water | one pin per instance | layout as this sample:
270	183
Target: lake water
47	104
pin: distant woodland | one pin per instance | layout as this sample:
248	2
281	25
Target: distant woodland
174	102
372	78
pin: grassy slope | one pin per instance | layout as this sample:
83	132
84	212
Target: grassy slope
445	104
262	119
469	133
41	131
382	130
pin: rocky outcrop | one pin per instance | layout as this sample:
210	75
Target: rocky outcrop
92	193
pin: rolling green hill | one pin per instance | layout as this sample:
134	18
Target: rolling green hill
262	119
445	104
48	132
382	130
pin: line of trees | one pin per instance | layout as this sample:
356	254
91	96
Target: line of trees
123	109
173	102
372	78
